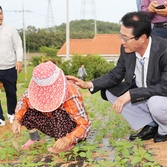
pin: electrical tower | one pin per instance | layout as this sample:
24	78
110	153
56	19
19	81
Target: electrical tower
50	21
88	11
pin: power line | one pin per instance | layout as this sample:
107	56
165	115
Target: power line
19	11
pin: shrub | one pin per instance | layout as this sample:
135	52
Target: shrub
95	66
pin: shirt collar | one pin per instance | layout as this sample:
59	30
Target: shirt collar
147	52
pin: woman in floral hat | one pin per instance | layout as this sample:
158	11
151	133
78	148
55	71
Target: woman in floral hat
53	106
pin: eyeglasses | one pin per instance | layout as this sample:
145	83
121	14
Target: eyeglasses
125	38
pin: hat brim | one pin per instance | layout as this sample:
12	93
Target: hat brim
47	98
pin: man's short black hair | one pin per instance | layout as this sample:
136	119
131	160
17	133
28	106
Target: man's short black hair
1	8
139	21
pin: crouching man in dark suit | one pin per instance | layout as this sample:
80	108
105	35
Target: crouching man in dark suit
137	86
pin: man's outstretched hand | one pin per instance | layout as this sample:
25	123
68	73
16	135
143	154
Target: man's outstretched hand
79	82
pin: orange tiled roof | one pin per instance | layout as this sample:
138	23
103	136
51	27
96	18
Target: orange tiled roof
100	44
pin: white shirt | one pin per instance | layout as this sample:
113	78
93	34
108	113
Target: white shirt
138	68
10	47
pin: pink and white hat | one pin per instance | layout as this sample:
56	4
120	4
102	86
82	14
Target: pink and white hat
48	88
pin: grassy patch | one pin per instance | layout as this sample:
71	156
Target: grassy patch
22	76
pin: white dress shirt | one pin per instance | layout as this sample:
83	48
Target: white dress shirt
138	68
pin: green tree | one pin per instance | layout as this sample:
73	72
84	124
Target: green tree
79	29
49	53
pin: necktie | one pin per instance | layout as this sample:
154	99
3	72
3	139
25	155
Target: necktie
142	70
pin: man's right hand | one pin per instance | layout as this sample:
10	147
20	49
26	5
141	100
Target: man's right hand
162	12
152	5
79	82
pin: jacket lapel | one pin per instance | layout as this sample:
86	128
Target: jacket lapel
131	66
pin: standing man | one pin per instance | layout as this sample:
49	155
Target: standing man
158	16
138	4
11	55
137	86
82	72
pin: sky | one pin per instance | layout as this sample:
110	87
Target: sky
41	15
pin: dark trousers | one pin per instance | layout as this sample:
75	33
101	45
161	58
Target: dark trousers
9	80
160	31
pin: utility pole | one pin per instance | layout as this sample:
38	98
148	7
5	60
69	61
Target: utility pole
24	43
67	31
24	38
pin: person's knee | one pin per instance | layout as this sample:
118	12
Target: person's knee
155	106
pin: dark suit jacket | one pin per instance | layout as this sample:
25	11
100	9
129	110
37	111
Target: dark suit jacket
121	78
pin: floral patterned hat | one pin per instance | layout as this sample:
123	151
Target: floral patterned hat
48	88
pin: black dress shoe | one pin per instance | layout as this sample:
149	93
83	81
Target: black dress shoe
160	138
146	133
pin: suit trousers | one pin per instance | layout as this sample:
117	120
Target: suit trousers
142	113
9	80
160	31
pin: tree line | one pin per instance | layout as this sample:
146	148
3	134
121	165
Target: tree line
79	29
